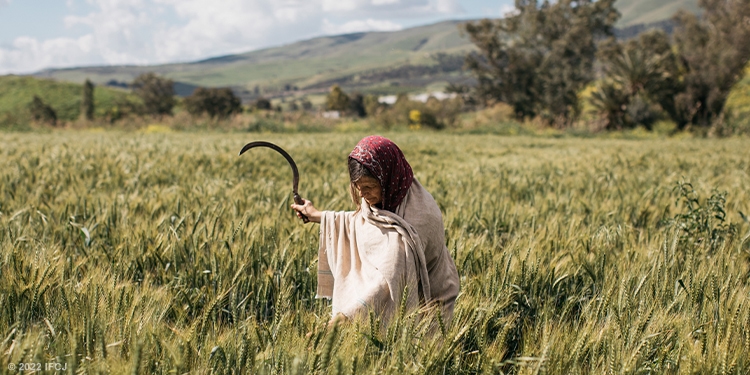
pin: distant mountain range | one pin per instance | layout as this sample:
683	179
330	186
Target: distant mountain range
377	62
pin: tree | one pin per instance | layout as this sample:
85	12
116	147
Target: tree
372	105
42	112
156	92
337	99
641	78
216	102
714	52
538	59
87	101
689	79
263	103
357	105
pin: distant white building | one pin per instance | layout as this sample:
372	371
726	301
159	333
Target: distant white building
438	95
332	114
391	99
387	99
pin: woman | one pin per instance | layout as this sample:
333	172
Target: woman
393	243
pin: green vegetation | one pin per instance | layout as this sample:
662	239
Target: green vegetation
538	60
16	93
157	94
154	253
215	102
549	63
87	101
737	116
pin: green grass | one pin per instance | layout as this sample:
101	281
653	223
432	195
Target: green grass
16	92
168	253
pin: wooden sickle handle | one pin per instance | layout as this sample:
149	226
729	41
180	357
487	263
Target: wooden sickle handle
300	201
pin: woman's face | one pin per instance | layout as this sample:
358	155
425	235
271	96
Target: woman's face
369	188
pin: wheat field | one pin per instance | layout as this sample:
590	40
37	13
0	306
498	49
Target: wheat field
169	254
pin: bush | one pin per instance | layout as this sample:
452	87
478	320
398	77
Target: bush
337	100
42	112
263	104
701	223
156	92
434	114
641	79
216	102
357	105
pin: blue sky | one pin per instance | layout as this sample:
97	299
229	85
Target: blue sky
40	34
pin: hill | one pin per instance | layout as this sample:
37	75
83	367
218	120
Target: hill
636	12
376	62
16	93
307	64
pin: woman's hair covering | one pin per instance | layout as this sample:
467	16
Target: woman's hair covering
389	166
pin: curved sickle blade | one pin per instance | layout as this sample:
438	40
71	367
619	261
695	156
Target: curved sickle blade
295	172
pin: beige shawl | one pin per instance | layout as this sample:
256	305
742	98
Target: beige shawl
368	258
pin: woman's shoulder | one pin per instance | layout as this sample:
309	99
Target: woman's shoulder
420	206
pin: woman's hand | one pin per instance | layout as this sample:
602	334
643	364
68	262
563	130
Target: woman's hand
337	320
308	210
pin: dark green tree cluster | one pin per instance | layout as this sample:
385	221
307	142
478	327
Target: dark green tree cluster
157	94
713	51
688	78
42	112
263	104
641	78
538	59
215	102
338	100
87	101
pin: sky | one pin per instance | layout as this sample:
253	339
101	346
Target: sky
42	34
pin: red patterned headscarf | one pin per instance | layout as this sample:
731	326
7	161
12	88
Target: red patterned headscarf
387	163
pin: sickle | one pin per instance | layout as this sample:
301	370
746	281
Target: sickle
295	172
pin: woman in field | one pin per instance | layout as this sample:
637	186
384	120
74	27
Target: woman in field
393	243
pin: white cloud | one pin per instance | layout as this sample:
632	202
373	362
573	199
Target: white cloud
29	54
393	8
340	5
144	31
448	7
357	26
235	26
384	2
4	3
508	10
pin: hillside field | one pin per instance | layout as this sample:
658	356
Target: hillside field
168	253
16	92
